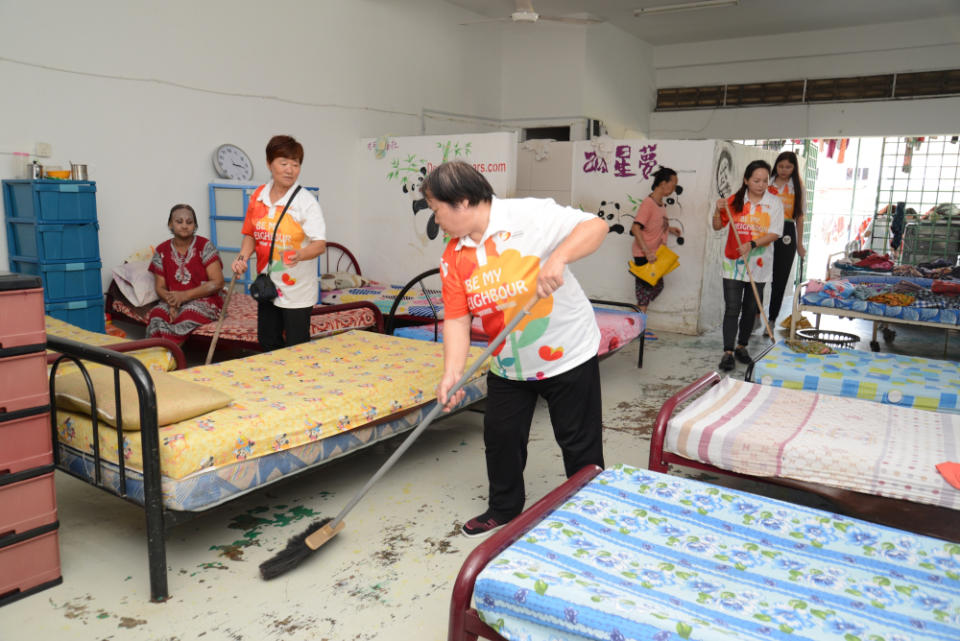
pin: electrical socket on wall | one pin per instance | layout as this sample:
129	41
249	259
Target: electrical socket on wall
44	150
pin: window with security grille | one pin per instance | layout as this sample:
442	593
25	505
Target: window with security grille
918	217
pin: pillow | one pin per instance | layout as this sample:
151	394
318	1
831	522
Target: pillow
136	282
340	280
177	400
838	288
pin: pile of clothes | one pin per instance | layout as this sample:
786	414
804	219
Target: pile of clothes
867	260
941	294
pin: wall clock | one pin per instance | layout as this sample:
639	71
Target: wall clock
233	163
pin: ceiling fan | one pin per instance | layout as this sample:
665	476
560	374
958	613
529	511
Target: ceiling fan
524	12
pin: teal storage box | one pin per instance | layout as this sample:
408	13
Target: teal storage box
86	313
63	281
50	200
67	241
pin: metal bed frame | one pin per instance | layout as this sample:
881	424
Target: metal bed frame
930	520
393	320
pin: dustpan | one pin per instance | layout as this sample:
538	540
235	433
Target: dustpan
651	273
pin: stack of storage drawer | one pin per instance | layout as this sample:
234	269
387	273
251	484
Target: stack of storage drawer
52	232
29	547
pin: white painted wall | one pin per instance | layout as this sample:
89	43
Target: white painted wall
144	92
921	45
618	80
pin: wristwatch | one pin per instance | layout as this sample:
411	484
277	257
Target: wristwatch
753	244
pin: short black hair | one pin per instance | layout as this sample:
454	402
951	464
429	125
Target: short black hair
456	181
662	175
182	206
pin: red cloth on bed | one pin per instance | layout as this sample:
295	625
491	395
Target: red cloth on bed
951	472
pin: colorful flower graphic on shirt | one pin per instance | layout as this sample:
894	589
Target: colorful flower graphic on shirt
497	291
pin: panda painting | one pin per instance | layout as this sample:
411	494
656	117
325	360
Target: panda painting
610	213
419	203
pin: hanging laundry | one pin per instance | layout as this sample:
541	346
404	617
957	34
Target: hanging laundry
843	150
831	147
954	139
898	224
907	160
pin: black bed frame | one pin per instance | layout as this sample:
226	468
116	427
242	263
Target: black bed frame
433	297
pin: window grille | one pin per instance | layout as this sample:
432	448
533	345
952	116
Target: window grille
919	175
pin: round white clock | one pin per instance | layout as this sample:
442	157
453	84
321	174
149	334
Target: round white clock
232	162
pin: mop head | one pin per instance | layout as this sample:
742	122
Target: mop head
292	555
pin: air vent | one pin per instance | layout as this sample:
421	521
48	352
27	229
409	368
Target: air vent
819	90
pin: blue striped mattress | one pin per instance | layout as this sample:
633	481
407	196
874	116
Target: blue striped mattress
641	555
907	381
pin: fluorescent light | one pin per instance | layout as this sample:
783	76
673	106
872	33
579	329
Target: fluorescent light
685	6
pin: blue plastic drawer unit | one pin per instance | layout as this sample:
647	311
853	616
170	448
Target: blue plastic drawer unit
50	200
66	241
63	280
86	313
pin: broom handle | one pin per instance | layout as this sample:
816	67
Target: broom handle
223	314
434	412
746	263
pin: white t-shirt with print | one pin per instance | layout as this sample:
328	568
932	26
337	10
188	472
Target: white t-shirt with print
766	217
297	285
493	279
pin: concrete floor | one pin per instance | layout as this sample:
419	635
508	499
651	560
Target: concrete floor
388	575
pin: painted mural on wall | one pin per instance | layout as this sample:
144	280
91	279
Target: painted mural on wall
392	170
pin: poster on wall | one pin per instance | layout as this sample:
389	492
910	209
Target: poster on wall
400	235
611	178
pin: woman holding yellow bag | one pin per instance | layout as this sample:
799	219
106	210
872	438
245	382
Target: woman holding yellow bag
649	231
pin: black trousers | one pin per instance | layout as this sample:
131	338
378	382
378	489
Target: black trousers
279	327
573	399
783	253
740	311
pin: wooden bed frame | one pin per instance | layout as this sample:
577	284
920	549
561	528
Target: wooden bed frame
158	517
393	321
465	623
932	520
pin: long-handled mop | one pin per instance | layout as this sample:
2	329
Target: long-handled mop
303	545
223	314
746	263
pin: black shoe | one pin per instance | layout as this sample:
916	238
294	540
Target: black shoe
726	363
484	524
743	355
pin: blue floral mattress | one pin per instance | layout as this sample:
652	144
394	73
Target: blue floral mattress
906	313
641	555
908	381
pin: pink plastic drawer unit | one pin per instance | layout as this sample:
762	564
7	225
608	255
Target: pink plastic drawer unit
25	443
27	505
29	565
21	318
23	382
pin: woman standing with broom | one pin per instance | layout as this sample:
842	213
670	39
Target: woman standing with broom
755	217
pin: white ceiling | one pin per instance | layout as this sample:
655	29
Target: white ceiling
750	18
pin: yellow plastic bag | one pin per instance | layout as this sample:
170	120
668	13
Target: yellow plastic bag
652	272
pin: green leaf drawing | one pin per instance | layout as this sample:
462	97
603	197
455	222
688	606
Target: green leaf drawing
540	587
533	331
684	630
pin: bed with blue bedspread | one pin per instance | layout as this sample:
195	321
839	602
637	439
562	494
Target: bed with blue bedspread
907	381
629	554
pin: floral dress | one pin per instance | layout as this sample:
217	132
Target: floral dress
182	272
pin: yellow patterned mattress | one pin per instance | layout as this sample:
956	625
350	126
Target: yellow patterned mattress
155	358
283	400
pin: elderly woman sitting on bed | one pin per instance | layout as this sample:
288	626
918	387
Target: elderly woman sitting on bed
189	277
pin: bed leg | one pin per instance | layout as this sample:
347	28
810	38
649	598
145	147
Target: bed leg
655	462
643	339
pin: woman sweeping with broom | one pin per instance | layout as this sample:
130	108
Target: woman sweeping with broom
755	217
